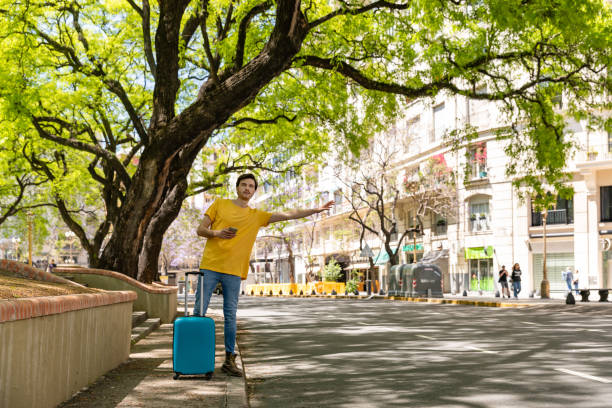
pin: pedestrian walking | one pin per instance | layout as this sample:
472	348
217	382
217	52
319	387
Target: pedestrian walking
568	277
516	279
503	282
231	227
576	282
51	266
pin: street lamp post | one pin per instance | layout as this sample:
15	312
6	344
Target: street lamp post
30	238
545	286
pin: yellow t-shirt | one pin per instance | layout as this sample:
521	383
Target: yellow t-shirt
231	256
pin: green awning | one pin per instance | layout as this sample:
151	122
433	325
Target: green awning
382	258
410	247
479	252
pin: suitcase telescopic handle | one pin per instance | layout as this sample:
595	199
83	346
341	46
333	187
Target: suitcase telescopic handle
187	290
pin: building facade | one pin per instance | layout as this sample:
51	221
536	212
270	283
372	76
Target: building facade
489	226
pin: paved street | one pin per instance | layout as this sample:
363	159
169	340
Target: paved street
348	353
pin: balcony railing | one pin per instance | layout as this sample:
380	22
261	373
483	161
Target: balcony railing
596	153
554	217
478	171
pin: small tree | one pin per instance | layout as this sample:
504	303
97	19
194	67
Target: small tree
353	282
332	271
431	190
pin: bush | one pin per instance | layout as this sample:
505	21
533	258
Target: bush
332	271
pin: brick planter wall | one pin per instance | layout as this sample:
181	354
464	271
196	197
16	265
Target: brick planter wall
157	301
51	347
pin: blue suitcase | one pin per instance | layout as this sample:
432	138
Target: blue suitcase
193	348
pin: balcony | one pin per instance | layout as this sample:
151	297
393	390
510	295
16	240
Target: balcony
479	224
562	216
593	153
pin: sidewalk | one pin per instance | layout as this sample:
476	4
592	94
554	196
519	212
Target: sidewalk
146	380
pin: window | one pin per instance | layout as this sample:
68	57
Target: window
412	134
606	203
439	224
338	197
479	216
477	157
609	142
481	275
440	123
562	213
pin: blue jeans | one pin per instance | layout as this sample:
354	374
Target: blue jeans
231	289
569	284
516	287
576	287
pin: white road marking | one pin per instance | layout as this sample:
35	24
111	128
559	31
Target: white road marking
479	349
530	323
583	375
590	330
425	337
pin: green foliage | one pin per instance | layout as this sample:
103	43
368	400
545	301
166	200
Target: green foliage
353	283
78	90
332	271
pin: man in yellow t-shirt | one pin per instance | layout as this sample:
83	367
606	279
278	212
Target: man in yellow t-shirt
231	227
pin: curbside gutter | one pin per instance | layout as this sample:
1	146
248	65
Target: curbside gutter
468	302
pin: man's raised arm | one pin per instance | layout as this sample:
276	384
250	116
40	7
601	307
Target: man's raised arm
301	213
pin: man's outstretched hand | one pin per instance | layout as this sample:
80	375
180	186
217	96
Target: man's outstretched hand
326	207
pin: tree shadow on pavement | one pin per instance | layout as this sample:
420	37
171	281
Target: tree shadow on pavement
387	354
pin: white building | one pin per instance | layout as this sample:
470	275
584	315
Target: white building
491	227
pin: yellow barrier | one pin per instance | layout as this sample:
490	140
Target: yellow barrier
305	288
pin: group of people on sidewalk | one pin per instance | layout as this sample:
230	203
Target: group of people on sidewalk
571	278
514	277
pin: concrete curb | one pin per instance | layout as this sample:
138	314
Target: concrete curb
468	302
236	387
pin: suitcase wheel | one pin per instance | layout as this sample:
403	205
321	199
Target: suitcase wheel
176	376
208	376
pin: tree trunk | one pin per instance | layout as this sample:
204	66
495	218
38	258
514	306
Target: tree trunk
175	140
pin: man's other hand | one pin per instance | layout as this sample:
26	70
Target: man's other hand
226	233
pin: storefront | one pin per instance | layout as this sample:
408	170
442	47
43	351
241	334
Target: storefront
556	263
480	267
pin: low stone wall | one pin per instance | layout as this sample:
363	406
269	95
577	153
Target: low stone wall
51	347
156	300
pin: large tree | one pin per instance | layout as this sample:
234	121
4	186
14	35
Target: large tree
117	81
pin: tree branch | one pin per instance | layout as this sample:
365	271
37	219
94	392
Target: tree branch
260	121
348	11
242	31
146	33
110	158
